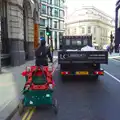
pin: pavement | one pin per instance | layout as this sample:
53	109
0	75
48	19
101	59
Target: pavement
114	56
11	85
83	98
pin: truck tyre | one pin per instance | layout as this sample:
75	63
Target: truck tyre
96	77
62	78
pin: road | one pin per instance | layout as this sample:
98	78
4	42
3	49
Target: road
85	99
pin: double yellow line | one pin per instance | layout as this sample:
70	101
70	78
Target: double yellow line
28	114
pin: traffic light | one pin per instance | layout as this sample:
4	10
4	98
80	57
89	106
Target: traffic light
48	32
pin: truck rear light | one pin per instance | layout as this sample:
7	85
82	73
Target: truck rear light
65	73
99	72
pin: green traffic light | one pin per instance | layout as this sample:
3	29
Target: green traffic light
47	33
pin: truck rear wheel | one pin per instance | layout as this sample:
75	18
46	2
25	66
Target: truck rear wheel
63	78
96	77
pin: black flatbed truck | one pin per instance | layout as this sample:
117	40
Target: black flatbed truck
73	61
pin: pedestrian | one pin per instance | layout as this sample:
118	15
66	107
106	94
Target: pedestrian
42	53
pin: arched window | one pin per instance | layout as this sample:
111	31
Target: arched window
83	30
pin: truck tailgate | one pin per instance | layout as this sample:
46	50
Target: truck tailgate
65	57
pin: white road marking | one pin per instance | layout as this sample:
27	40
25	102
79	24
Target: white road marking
112	76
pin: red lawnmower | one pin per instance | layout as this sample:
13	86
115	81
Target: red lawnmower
38	89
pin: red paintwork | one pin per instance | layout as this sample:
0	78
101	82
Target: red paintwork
38	73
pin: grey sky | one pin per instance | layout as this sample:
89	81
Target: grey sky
107	6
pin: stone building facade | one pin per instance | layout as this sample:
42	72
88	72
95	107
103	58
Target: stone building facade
117	26
52	14
17	30
90	20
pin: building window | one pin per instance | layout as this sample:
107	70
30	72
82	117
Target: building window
89	29
94	30
85	42
43	9
42	22
50	22
101	31
56	2
43	0
83	30
74	42
74	31
103	40
42	33
50	11
104	32
55	24
61	25
50	2
56	13
68	31
61	3
67	42
79	42
61	13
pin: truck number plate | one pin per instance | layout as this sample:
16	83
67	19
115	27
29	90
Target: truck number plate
82	73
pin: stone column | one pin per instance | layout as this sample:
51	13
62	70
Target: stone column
36	24
30	38
0	37
28	14
16	34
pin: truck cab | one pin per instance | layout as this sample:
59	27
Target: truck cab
75	42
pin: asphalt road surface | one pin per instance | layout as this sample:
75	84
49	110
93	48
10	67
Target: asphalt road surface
84	99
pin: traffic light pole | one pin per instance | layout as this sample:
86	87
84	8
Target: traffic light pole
48	39
52	45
